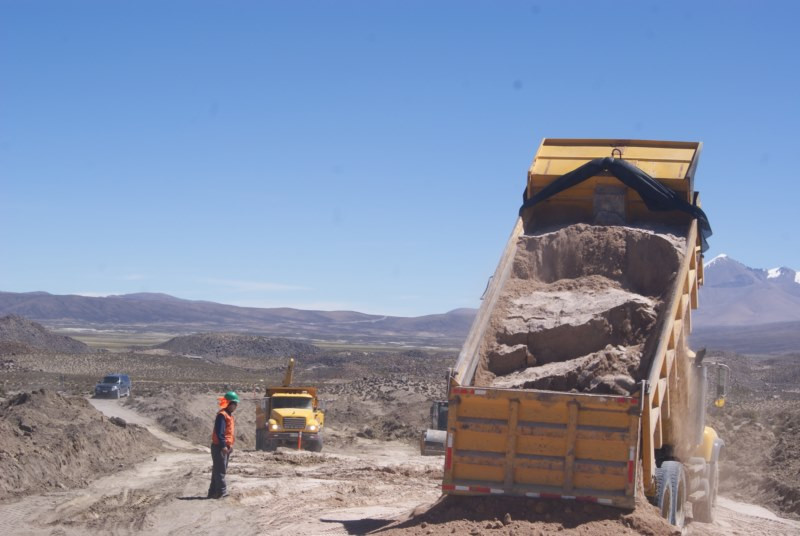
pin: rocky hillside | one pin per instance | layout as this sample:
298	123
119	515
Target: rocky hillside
19	334
238	345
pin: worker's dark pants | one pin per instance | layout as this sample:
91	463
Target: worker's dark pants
220	467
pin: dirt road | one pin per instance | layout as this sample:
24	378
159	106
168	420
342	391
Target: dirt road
350	490
287	492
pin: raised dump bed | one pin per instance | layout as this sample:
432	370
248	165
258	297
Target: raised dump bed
576	367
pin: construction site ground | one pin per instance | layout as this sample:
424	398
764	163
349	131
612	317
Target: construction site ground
369	478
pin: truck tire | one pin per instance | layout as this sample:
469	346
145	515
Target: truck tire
663	498
259	439
703	510
671	492
316	446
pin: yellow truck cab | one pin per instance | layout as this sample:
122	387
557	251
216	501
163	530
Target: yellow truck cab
290	417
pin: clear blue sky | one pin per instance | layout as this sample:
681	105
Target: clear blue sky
363	155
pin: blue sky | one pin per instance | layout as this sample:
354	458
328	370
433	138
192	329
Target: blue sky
363	155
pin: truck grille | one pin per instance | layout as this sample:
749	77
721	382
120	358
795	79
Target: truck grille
294	423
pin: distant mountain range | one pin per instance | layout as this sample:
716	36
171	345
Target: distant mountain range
737	295
150	311
741	308
748	310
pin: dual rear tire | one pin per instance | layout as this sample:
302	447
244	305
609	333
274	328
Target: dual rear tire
671	494
703	510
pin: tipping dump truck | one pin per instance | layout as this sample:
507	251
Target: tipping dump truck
576	380
289	416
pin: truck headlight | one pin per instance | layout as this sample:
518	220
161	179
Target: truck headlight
273	427
313	428
113	387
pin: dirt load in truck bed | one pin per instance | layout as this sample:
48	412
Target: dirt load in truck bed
580	309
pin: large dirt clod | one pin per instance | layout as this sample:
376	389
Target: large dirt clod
578	309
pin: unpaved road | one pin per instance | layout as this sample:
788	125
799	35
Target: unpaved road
287	492
352	490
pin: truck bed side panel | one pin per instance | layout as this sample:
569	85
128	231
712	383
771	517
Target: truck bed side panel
542	444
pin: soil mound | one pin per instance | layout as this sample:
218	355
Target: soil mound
48	441
237	345
580	309
17	333
516	515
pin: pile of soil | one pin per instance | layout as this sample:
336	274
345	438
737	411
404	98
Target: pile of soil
48	441
20	335
580	309
517	515
236	344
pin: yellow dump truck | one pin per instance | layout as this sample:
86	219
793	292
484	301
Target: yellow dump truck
541	437
289	416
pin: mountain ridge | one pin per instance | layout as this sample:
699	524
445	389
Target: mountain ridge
143	310
734	294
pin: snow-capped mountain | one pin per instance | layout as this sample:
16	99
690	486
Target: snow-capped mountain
737	295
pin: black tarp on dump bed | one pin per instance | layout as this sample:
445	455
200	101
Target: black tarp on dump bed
655	195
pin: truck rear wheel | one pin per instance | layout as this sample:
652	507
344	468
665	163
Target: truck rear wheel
671	492
703	510
259	439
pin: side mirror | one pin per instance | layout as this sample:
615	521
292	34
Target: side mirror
721	374
699	355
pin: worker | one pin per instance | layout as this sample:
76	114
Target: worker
222	444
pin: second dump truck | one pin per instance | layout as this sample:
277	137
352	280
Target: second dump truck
576	380
289	416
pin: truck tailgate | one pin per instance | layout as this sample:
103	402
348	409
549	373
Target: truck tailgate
542	444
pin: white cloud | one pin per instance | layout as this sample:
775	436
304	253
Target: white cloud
251	286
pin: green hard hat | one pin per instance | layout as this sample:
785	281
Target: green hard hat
231	396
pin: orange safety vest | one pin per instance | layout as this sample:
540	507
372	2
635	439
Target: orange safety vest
228	429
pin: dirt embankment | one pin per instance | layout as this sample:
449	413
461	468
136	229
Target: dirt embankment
190	416
19	335
49	441
760	424
580	309
394	407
